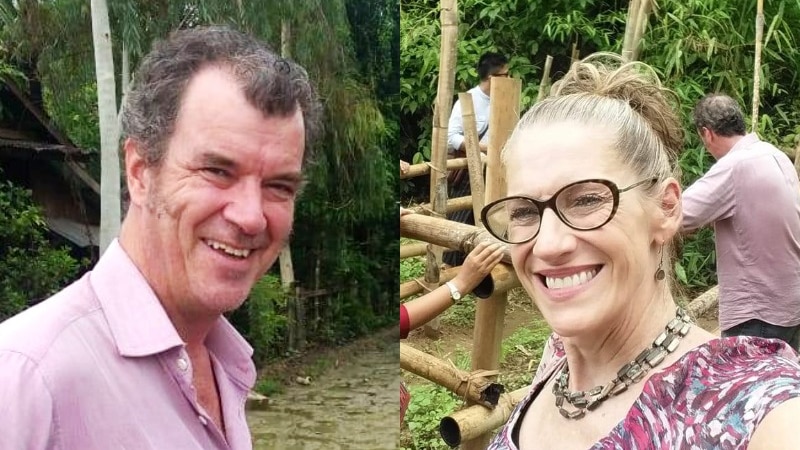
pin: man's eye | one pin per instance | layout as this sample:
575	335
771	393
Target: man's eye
282	190
217	172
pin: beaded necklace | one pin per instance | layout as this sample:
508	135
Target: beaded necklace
630	373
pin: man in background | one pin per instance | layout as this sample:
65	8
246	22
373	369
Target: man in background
752	197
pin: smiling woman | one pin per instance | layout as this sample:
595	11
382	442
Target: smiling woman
596	261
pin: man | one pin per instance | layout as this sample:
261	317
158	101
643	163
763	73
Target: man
489	65
136	354
751	196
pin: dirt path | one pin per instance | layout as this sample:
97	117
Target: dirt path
351	405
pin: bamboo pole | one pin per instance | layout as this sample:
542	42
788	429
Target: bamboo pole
416	170
453	204
472	386
475	421
757	64
642	17
412	250
488	333
576	54
441	117
545	83
471	144
703	302
445	233
630	30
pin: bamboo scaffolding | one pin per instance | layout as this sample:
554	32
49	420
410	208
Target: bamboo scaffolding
416	286
441	116
488	333
445	233
474	386
545	83
757	64
417	170
471	144
797	158
470	423
703	302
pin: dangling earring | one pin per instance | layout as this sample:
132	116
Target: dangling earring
660	271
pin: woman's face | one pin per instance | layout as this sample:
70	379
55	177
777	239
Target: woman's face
582	281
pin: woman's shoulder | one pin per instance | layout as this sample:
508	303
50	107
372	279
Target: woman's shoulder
719	391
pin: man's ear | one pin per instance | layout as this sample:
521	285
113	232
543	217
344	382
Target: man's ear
669	213
136	173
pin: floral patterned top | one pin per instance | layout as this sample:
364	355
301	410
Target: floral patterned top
714	396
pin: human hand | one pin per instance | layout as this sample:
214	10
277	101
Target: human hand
404	166
479	263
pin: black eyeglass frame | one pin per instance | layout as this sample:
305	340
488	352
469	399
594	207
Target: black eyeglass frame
551	203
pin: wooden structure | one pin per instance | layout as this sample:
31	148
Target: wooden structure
34	154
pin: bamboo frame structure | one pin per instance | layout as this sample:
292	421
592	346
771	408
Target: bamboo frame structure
638	16
757	65
474	386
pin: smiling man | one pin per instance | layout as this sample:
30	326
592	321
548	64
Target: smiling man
136	354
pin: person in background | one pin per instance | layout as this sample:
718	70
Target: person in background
592	210
490	65
752	197
415	313
137	353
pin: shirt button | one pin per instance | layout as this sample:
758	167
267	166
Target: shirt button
203	420
182	364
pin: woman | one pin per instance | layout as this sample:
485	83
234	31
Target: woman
592	211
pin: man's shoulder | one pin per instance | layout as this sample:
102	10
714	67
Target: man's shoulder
37	330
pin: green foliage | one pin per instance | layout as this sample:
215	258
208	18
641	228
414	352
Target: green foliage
411	268
268	386
30	268
266	318
429	403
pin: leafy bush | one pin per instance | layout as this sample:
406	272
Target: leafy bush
30	269
429	403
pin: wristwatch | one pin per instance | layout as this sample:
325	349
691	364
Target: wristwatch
455	294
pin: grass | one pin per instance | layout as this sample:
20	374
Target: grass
268	386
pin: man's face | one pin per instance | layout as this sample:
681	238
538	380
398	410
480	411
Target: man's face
220	206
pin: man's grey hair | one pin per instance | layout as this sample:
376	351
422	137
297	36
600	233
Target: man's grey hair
274	85
720	114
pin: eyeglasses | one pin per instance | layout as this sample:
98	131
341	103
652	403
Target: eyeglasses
583	205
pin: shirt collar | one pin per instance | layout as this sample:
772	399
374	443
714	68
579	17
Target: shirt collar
748	140
140	326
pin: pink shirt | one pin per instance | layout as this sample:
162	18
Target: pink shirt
752	197
99	366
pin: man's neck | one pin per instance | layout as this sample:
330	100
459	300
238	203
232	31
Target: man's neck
726	143
485	86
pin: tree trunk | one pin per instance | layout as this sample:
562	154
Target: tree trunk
757	65
110	215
